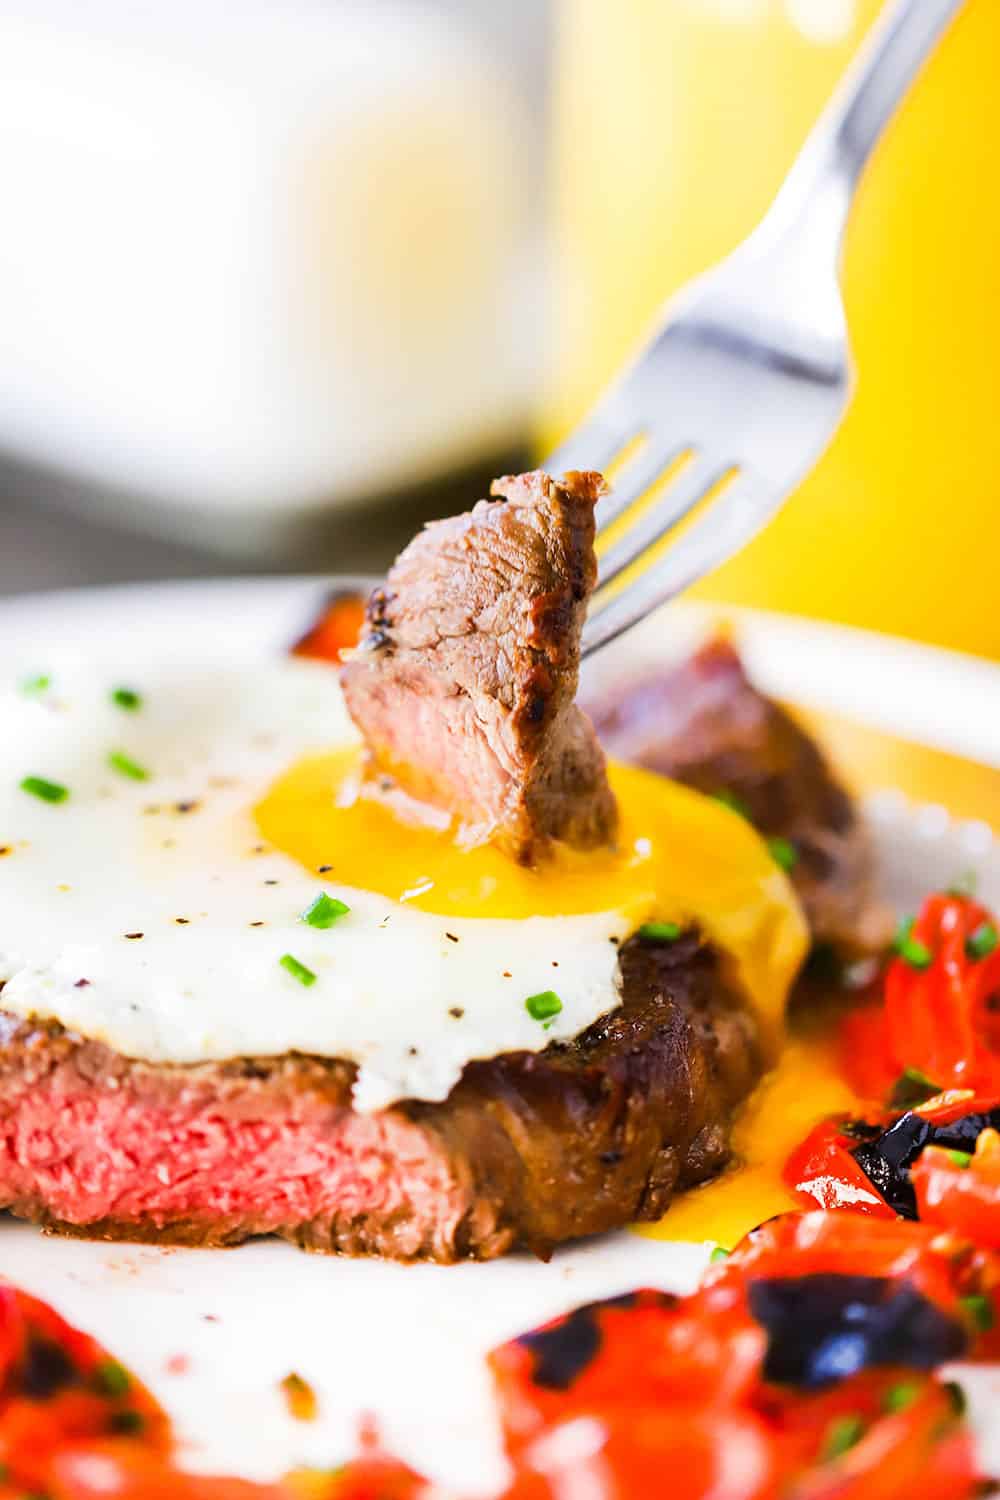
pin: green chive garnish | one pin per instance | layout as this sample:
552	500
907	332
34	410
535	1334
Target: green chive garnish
910	949
127	698
912	1087
298	971
956	1396
960	1158
32	686
47	791
784	853
899	1397
965	885
979	1310
841	1436
543	1005
126	766
719	1253
660	932
729	799
112	1379
324	911
982	942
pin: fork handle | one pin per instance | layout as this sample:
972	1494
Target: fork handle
835	152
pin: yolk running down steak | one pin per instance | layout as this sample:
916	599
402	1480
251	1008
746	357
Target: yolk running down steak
465	687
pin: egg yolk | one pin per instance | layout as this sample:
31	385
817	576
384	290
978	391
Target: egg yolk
679	856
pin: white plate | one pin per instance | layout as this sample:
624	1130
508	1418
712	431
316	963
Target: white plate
407	1342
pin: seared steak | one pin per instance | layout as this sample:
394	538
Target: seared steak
704	723
530	1148
464	681
463	688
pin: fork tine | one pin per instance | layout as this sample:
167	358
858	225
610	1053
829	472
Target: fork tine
593	446
728	523
638	476
677	500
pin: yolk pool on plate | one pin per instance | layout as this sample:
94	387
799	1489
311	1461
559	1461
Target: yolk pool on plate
679	856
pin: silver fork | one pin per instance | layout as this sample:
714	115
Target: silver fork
748	372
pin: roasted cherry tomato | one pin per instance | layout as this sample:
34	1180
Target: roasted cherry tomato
939	1026
961	1190
823	1171
125	1470
336	630
646	1451
881	1437
942	994
59	1387
645	1346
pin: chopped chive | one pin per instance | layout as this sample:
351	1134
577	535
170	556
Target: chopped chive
899	1397
982	942
112	1379
960	1158
979	1311
324	911
912	1087
47	791
909	948
660	932
126	698
543	1005
126	766
719	1253
956	1396
784	853
965	885
32	686
298	971
904	929
916	954
729	799
841	1436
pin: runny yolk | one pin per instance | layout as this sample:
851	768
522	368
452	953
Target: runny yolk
680	856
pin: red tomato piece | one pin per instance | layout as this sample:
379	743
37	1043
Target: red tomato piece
962	1197
922	1450
650	1348
336	630
125	1470
823	1172
865	1057
942	996
689	1453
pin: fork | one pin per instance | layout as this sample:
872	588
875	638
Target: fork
748	371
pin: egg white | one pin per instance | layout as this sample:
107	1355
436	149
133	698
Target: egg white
393	994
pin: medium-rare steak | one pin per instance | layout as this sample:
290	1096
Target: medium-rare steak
704	723
464	682
530	1148
463	687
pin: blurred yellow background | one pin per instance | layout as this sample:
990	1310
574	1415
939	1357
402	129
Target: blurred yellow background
675	123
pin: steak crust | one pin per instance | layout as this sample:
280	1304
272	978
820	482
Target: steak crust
529	1149
464	682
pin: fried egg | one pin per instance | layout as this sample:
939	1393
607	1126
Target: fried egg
190	870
